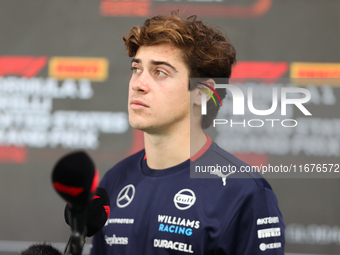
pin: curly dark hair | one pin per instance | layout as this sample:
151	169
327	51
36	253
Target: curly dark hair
41	249
206	51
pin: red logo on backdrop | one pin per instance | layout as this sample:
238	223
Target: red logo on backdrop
257	9
13	154
141	8
126	8
267	72
27	66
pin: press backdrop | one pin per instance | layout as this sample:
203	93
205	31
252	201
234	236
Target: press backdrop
64	76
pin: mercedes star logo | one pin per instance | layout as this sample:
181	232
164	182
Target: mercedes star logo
125	196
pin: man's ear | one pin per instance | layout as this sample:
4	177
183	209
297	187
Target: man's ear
202	88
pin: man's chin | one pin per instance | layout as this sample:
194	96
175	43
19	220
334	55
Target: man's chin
139	126
145	128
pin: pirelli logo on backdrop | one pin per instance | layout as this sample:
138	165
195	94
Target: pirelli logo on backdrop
315	73
93	69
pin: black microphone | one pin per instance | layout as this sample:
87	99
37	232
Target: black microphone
75	178
98	212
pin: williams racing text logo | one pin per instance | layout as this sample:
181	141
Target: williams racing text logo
177	225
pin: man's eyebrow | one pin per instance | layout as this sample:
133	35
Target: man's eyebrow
136	60
158	63
154	62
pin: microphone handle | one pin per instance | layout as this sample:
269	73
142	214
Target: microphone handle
77	218
75	244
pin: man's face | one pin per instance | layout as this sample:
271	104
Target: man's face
159	98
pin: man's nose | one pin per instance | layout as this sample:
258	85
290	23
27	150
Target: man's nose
142	84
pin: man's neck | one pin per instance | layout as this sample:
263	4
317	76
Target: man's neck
164	151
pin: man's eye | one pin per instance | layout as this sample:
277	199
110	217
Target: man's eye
160	73
135	70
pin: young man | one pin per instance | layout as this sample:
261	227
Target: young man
156	208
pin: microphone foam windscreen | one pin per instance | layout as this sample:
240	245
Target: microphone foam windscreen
98	212
75	178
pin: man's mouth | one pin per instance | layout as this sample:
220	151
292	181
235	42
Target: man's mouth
138	105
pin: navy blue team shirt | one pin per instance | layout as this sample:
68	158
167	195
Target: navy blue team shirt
159	212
